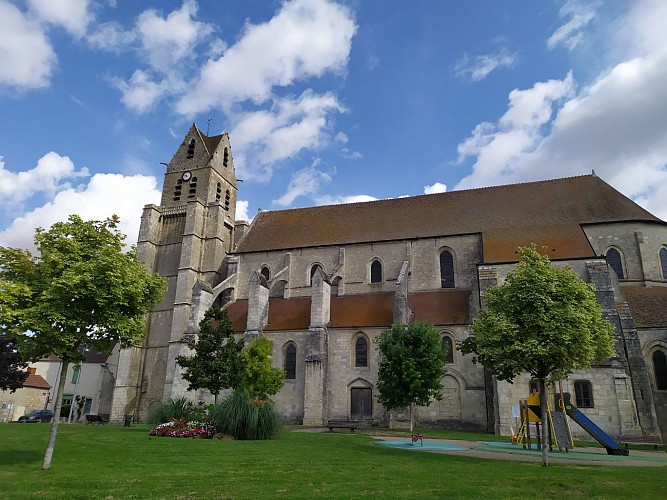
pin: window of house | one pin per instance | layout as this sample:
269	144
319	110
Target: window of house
265	272
660	369
448	349
583	392
533	386
313	270
290	361
376	271
446	269
361	352
191	149
75	374
663	262
87	405
66	405
615	261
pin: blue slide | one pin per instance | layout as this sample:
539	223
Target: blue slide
600	436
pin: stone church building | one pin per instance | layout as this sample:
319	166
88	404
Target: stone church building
323	282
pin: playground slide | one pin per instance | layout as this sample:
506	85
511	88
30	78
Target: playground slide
589	426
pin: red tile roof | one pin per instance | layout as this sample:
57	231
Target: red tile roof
547	213
648	305
36	381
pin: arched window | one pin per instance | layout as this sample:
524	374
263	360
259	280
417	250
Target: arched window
361	352
448	349
446	269
290	361
616	262
191	149
313	270
265	271
660	369
663	262
376	271
583	392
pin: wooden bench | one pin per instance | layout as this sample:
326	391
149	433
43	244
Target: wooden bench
342	424
654	441
417	437
96	419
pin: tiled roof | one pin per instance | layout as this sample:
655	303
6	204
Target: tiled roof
440	307
648	305
36	381
547	213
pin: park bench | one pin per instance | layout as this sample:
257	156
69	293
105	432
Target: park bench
417	437
342	424
96	419
654	441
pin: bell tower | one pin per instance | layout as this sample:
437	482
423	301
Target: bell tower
186	240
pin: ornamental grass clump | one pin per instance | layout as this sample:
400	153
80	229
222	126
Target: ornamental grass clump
247	419
172	409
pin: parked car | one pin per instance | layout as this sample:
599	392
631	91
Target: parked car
37	416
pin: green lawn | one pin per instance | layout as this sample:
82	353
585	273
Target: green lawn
113	462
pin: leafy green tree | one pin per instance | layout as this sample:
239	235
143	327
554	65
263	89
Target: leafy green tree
411	367
218	361
543	320
82	290
260	379
12	369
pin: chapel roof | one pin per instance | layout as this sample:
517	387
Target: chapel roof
547	213
440	307
648	305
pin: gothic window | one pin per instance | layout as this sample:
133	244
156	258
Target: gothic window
313	270
218	191
361	352
225	157
265	272
192	188
191	149
376	271
616	262
663	262
177	190
227	198
446	269
448	349
583	392
660	369
290	361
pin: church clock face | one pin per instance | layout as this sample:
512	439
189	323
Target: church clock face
186	176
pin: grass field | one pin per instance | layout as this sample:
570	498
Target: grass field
112	462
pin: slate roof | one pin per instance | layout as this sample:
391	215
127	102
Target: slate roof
547	213
440	307
648	305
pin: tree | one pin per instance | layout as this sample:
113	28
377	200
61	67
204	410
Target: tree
260	379
218	362
12	369
81	291
543	320
411	367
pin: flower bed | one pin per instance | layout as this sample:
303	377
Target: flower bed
183	429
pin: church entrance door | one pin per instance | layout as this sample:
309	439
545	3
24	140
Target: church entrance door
362	403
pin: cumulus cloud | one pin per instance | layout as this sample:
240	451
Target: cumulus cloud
304	182
578	15
477	68
437	187
51	174
72	15
103	196
615	125
242	207
26	54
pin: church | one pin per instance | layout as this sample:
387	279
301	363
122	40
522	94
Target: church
323	282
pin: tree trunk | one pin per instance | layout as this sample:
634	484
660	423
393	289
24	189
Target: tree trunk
411	414
545	423
56	415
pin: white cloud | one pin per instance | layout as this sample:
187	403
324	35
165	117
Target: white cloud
26	54
242	207
103	196
111	36
480	66
351	155
304	182
306	38
437	187
615	125
141	93
48	176
73	15
579	14
342	137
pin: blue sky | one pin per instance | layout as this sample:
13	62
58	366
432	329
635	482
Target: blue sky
325	101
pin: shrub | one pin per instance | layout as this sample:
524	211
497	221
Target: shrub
172	409
245	418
